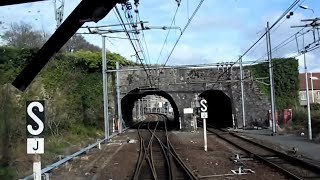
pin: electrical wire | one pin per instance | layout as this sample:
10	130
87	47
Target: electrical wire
183	30
128	35
165	41
280	45
275	48
271	27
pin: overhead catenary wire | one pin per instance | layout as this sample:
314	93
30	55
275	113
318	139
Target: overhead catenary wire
280	45
128	35
183	30
277	47
138	42
255	43
299	52
165	40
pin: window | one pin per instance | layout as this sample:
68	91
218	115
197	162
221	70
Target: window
303	95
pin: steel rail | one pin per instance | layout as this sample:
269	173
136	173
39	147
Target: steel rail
145	156
161	117
70	157
313	167
168	150
261	158
176	157
166	154
310	166
141	155
150	150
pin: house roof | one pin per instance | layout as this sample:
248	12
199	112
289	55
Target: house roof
316	83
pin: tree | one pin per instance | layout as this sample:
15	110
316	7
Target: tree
24	36
77	42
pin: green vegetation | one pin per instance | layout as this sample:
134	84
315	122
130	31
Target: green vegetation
286	81
286	91
71	85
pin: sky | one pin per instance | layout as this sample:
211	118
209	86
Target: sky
220	31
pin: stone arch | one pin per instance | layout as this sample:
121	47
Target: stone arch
127	104
219	108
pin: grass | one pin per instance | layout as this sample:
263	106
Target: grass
7	173
78	135
300	119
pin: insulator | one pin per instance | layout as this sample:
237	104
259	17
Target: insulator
128	6
136	3
178	2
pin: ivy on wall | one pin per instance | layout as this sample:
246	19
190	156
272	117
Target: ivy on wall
286	81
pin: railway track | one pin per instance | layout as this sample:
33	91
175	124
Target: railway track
157	157
291	166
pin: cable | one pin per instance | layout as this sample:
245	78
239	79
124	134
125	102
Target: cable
280	45
128	35
183	30
273	49
165	41
145	43
279	19
138	42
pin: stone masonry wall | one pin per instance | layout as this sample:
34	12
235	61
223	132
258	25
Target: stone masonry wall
185	84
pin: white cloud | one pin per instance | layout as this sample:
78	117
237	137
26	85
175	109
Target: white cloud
221	31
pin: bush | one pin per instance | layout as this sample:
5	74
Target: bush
299	115
315	107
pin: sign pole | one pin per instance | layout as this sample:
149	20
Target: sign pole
205	134
37	167
204	116
105	90
35	140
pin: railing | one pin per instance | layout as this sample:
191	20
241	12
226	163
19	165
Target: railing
70	157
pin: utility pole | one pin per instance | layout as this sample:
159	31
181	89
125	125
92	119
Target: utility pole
314	23
58	12
119	98
242	95
307	92
273	108
139	109
105	89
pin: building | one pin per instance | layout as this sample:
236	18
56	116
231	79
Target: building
314	88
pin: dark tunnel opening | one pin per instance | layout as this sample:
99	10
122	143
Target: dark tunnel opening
128	103
219	108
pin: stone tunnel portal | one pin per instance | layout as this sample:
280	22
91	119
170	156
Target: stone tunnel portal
128	103
219	108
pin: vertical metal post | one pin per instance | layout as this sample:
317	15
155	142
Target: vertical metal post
37	167
105	89
119	98
273	108
205	134
142	109
139	110
242	95
312	93
307	89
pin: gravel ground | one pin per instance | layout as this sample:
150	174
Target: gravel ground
117	160
217	160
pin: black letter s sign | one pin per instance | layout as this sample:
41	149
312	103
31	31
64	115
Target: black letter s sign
35	118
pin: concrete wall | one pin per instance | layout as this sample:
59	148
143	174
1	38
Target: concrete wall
185	84
303	97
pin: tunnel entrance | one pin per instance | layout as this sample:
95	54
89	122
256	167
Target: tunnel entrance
129	102
219	108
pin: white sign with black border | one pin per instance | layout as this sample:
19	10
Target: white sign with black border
204	115
35	127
